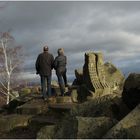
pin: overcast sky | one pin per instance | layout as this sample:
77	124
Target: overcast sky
110	27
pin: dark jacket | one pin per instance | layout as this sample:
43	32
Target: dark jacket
44	64
60	63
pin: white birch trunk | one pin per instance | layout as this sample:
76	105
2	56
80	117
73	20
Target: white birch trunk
8	90
9	66
7	71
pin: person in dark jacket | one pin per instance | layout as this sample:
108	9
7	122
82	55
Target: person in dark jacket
60	67
44	66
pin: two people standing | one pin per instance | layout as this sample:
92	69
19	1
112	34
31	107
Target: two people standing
44	64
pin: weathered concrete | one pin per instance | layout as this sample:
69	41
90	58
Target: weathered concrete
131	90
127	128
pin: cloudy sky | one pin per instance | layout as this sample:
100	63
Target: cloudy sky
110	27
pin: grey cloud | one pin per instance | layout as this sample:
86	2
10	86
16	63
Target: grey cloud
110	27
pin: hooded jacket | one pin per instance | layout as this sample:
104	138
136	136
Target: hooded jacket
60	63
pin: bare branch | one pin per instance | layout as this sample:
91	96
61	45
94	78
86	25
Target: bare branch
3	85
2	91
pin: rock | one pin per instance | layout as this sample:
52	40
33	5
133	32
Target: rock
127	128
25	91
110	106
100	78
11	107
46	132
33	107
63	99
83	92
54	84
56	91
91	128
67	128
79	76
9	122
51	100
61	106
36	89
43	120
72	127
15	94
14	103
114	77
74	95
131	90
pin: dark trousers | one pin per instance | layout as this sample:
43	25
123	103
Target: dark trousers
62	80
45	79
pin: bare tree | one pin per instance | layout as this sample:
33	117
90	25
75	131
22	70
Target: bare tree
10	59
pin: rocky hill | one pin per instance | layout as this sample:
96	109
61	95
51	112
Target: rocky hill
100	103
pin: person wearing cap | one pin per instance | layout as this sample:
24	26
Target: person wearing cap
60	67
44	66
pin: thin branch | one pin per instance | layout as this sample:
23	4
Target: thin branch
14	67
5	93
3	85
2	91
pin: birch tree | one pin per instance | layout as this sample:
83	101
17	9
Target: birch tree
9	63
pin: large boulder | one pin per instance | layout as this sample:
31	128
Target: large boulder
110	105
114	77
72	127
127	128
100	78
91	128
35	106
67	128
79	76
47	132
131	90
10	122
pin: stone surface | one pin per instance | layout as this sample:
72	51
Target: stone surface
91	128
90	76
56	91
110	105
63	99
46	132
114	77
79	76
74	95
61	106
131	90
9	122
100	79
35	106
22	99
127	128
67	128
